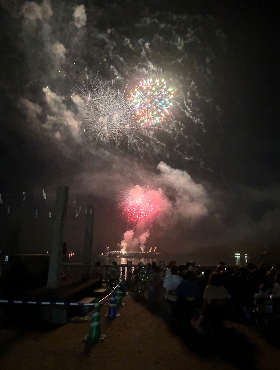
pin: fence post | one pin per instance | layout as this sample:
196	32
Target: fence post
86	266
129	270
57	237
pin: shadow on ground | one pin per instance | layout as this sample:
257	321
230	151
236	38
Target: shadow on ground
227	345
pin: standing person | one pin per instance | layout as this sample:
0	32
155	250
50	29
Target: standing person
203	280
276	287
98	271
114	274
214	291
170	284
139	280
168	270
241	294
188	298
155	288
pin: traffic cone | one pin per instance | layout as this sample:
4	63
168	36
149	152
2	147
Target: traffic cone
95	330
118	297
112	312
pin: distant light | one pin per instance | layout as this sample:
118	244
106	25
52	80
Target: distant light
6	258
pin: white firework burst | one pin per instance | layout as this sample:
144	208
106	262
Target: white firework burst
104	113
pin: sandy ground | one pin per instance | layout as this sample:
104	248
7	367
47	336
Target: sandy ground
141	340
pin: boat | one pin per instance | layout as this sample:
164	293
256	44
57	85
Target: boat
125	254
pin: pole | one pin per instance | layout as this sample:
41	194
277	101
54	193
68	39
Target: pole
57	237
86	266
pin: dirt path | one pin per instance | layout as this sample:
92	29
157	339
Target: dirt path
140	340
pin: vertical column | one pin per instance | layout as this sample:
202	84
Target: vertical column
88	243
129	270
57	237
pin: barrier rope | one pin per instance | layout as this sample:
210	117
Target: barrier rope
58	303
48	303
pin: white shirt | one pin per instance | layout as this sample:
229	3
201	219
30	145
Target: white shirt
170	283
167	273
215	292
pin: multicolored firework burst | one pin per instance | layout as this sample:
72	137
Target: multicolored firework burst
138	204
106	118
150	102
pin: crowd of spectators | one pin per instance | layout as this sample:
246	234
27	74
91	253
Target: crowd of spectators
239	294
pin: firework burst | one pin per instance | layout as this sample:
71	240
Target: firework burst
138	205
104	113
150	102
106	117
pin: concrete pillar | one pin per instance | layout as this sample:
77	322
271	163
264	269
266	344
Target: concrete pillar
57	237
86	266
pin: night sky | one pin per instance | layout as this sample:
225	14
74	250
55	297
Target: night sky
217	166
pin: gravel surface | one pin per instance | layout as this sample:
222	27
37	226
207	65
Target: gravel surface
141	340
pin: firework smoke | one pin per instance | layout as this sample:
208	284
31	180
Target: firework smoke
80	17
131	242
143	238
153	47
127	239
142	206
68	46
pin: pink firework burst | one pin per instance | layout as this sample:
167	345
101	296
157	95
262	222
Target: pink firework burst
138	204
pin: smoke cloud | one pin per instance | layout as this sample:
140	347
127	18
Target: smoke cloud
80	17
33	12
59	116
57	54
127	240
191	199
33	111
